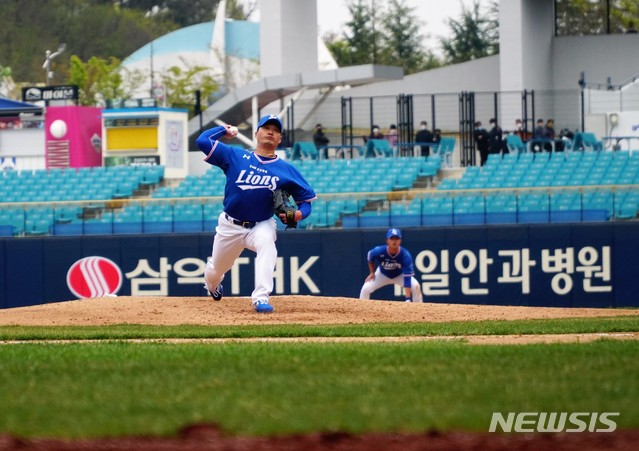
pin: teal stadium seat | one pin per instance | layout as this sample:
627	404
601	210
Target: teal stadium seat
430	166
515	144
526	159
445	150
377	148
151	175
304	150
584	141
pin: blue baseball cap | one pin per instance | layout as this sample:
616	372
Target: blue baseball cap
393	232
270	118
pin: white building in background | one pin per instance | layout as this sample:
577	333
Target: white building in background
264	66
232	50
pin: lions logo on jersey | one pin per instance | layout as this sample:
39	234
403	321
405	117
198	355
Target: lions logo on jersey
250	180
389	265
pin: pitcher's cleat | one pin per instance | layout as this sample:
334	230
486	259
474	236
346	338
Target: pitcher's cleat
262	306
217	293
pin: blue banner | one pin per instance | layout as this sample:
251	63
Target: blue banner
562	265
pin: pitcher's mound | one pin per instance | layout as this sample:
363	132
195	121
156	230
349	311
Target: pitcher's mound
154	310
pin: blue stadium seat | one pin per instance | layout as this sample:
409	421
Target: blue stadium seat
525	159
515	144
445	150
304	150
376	148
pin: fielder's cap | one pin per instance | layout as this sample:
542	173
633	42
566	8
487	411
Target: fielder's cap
270	118
393	232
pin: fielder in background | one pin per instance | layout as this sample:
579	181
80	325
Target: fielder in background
247	219
391	264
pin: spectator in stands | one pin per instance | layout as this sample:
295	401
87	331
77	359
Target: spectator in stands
504	142
424	135
549	129
320	140
538	133
566	134
519	129
437	136
391	136
631	28
549	133
495	137
539	129
481	140
376	133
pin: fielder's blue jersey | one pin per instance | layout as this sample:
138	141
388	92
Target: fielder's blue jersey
392	265
251	179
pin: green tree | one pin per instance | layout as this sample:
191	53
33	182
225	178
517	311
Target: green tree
24	38
584	17
88	27
381	33
358	45
184	13
101	79
180	85
579	17
340	50
402	40
6	82
473	36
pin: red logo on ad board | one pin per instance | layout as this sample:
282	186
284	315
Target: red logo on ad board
94	277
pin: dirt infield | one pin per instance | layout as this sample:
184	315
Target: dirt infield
314	310
288	310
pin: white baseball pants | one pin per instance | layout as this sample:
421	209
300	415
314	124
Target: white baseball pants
229	242
381	280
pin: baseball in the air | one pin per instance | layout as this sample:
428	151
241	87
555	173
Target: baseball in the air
233	130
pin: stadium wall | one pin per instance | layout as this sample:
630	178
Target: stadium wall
577	265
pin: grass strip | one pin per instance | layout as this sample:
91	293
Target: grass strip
115	388
455	328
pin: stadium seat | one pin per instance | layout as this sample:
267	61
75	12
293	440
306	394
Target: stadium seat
584	141
304	150
376	148
445	150
515	144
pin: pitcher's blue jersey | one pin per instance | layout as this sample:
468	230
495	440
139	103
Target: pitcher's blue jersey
251	179
392	265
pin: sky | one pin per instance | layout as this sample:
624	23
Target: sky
434	15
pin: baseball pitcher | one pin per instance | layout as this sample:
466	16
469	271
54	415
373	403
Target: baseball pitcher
247	219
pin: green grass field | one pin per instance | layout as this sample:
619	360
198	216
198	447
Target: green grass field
114	387
453	328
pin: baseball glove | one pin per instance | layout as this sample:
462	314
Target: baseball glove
282	203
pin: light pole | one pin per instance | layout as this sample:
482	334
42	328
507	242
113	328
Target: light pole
47	62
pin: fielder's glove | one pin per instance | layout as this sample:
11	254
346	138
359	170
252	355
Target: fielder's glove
282	203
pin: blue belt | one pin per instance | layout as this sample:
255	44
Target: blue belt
245	224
